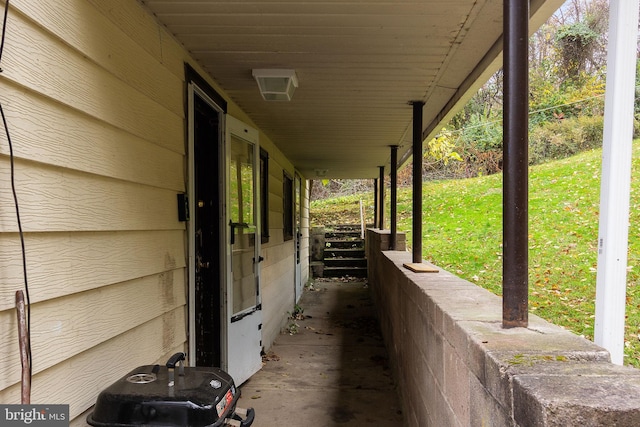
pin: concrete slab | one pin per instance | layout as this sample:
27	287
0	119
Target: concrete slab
331	370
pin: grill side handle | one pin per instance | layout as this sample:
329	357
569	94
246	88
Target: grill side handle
176	359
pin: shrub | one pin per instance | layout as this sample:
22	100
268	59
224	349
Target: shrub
482	134
564	138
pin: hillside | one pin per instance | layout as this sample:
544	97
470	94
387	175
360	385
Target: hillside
463	233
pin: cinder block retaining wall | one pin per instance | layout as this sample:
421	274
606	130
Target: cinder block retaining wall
456	366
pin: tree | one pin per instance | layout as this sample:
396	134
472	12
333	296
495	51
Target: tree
581	36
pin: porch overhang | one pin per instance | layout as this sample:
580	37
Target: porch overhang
359	64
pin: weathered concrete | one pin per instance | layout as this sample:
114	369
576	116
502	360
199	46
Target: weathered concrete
317	244
332	369
456	366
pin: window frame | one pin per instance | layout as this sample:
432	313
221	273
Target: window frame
264	195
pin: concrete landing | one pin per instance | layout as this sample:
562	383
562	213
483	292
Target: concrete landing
330	368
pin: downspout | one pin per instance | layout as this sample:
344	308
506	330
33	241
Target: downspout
417	182
515	268
394	198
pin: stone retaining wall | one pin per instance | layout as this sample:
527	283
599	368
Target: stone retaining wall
456	366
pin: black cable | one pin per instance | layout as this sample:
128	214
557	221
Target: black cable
4	29
24	255
15	199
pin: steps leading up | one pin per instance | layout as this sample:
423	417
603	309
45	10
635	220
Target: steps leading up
343	252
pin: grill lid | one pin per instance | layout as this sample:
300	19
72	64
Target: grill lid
156	395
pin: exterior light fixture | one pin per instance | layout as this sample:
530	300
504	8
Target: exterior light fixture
276	84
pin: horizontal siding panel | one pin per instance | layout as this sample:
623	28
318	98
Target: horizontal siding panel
36	61
64	263
282	266
140	25
60	200
277	299
274	254
78	380
275	234
276	219
65	327
78	24
275	197
47	132
275	180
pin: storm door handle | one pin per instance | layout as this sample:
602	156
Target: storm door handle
235	225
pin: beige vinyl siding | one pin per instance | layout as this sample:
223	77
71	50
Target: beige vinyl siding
277	269
61	263
46	131
97	124
277	290
93	92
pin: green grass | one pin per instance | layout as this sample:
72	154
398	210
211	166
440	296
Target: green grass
462	228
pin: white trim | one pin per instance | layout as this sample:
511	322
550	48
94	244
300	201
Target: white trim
616	178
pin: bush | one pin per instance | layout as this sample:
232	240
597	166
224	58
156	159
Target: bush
564	138
482	134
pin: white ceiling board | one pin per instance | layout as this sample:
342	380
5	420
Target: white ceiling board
359	64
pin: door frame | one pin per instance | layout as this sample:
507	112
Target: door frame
297	235
193	90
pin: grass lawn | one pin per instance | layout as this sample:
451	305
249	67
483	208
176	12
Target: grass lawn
462	226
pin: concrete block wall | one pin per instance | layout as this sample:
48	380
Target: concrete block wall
456	366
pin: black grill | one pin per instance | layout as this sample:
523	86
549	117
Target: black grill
171	395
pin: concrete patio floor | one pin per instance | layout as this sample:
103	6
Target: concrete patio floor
330	368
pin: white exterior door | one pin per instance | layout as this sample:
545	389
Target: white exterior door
297	215
243	304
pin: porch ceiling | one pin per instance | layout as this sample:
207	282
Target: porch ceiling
359	63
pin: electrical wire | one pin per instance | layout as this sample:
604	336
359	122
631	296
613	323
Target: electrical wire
15	197
20	232
4	29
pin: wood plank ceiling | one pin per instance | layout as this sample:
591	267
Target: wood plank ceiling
359	64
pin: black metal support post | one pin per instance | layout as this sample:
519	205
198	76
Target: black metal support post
417	182
376	208
394	198
381	198
515	270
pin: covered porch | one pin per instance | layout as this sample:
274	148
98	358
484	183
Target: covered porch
413	349
329	366
373	80
118	107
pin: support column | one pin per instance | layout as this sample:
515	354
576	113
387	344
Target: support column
417	182
381	197
394	198
515	267
376	208
416	264
613	236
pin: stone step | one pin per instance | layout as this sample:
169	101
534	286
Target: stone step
344	271
343	244
339	252
344	253
345	262
347	235
345	227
